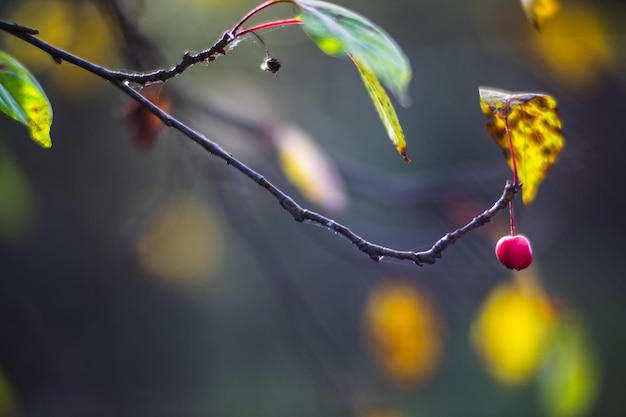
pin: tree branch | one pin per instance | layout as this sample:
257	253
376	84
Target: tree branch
161	75
122	81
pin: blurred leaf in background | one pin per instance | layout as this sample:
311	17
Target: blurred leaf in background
540	11
404	332
16	199
576	46
144	126
569	381
75	26
181	242
511	331
308	167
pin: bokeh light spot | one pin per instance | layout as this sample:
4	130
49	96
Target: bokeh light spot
511	330
404	332
181	243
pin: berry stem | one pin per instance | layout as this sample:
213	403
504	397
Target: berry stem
267	25
511	218
508	135
254	11
515	176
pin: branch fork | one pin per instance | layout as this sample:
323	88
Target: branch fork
123	81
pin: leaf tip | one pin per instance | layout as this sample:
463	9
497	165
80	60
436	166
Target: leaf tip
405	156
41	136
404	100
43	140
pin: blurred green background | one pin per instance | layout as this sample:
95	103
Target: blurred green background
151	279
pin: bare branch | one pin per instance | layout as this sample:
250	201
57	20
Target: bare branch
122	81
161	75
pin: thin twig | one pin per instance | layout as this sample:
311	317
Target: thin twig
255	11
269	25
122	81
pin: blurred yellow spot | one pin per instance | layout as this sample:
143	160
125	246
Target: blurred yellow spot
575	46
540	11
404	333
569	382
512	329
78	27
181	243
54	19
308	168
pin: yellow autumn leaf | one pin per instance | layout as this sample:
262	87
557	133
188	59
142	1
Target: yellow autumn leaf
24	100
540	11
385	109
404	333
535	133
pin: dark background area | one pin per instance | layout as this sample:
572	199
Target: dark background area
244	312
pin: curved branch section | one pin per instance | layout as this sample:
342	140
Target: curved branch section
430	256
121	80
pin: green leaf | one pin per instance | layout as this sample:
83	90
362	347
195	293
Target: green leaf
23	99
385	109
339	31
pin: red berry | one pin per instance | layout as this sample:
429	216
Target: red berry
514	252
